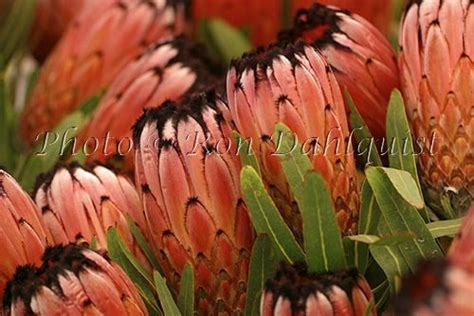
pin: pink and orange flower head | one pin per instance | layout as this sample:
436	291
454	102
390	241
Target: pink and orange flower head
437	76
190	188
361	57
293	84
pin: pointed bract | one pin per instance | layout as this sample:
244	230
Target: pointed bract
360	56
72	280
294	85
23	235
166	71
80	204
99	43
190	187
437	75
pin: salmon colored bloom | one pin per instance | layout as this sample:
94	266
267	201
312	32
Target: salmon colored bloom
23	235
99	43
377	12
294	85
81	204
73	280
360	56
166	71
190	188
294	291
437	75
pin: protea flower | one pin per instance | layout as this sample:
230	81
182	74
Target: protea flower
437	76
439	288
72	280
295	291
462	249
81	204
375	11
167	71
100	42
262	19
191	195
23	236
294	85
51	20
360	56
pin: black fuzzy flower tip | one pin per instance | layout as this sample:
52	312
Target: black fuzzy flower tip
56	262
316	25
296	284
192	106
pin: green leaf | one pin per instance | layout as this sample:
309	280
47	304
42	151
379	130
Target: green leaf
365	239
7	127
143	244
322	238
166	299
120	253
55	145
246	153
405	186
445	228
186	291
368	222
362	134
220	37
15	29
266	218
401	152
295	164
262	266
403	219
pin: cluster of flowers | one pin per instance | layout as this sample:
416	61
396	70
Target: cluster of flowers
189	207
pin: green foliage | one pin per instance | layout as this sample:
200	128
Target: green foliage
164	294
223	40
186	291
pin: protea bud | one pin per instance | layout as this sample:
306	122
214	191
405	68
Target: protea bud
52	18
461	251
439	288
73	280
437	74
23	236
167	71
295	291
81	204
99	43
294	85
190	189
360	56
262	19
376	12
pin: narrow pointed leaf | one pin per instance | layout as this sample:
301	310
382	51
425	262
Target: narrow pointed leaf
406	186
362	135
266	218
295	164
403	219
262	267
164	294
143	244
120	253
401	155
186	291
246	154
322	239
445	228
